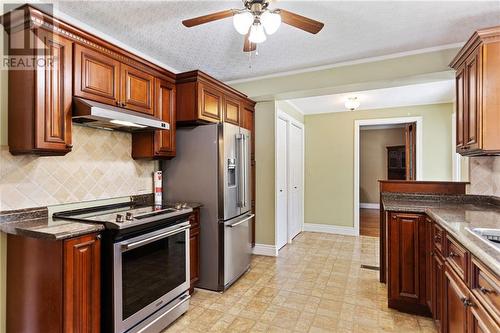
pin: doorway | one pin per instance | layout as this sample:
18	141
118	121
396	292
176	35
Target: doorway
399	157
289	179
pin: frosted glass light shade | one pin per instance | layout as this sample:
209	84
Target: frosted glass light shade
242	22
257	34
352	103
270	21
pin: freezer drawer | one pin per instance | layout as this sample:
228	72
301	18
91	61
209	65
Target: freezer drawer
237	247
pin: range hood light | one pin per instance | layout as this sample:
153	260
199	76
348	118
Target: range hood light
126	123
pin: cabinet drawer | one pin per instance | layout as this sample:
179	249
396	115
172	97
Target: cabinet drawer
486	287
437	237
457	256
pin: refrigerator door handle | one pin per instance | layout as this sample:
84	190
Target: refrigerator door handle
241	170
245	171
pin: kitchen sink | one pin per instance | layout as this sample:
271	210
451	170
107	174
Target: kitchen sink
489	236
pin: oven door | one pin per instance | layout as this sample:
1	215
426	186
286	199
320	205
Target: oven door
150	270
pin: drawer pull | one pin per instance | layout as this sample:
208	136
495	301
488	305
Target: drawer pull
453	254
437	238
485	290
466	302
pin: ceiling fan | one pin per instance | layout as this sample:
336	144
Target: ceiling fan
256	20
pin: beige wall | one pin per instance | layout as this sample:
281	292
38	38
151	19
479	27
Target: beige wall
265	119
373	145
329	151
383	73
100	166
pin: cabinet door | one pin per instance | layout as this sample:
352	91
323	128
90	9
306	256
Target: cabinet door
209	103
429	253
96	76
437	281
164	140
247	118
82	284
455	308
460	107
137	90
404	258
232	110
472	125
53	106
480	321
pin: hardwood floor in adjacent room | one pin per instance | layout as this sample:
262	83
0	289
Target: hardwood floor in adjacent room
369	222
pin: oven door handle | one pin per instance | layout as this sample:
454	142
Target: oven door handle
136	244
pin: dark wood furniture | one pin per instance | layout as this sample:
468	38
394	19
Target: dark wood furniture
194	248
396	162
403	186
53	286
477	68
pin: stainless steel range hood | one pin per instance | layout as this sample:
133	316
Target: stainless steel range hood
99	115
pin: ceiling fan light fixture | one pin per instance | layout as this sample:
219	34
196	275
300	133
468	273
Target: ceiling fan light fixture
271	21
242	22
257	34
352	103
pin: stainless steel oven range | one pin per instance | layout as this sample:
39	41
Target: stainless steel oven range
145	267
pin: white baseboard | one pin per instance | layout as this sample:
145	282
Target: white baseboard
330	229
265	250
369	205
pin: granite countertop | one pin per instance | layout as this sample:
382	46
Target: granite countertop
36	223
456	214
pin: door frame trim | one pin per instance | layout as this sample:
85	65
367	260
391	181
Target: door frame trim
383	121
289	120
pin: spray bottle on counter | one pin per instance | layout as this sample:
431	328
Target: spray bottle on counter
158	188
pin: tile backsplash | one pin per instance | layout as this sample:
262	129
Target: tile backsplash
100	166
484	175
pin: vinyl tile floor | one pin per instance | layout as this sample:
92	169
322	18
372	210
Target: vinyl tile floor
316	284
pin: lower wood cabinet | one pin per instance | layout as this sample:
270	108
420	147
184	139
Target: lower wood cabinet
53	286
456	301
194	248
431	273
407	265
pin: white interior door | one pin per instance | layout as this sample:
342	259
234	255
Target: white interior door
281	183
296	172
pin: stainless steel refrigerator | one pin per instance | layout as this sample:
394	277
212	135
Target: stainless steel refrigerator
212	167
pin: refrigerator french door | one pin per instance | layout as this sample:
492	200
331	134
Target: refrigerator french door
212	167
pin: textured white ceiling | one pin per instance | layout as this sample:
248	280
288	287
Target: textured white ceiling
416	94
353	30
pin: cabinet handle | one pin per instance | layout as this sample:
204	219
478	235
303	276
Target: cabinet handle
124	104
485	290
69	145
432	253
466	302
437	237
453	254
117	103
466	147
98	237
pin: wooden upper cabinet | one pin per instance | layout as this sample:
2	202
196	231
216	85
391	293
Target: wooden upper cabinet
40	98
202	99
210	100
232	111
96	76
247	116
477	68
160	143
137	90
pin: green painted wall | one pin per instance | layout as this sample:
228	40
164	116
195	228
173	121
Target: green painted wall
329	154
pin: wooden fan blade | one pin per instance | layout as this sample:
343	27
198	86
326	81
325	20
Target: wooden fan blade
208	18
248	46
301	22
